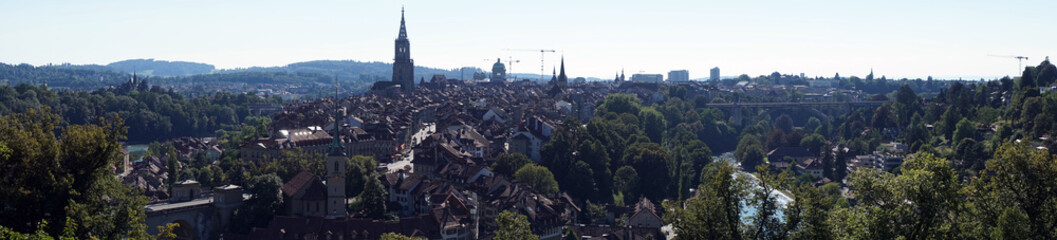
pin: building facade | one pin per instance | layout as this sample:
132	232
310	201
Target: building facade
641	77
679	76
498	71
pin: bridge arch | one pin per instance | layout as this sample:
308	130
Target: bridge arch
185	230
774	112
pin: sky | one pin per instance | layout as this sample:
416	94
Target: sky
895	38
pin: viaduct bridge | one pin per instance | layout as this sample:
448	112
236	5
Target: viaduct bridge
200	216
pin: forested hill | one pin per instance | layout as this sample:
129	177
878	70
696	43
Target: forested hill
354	75
161	68
351	69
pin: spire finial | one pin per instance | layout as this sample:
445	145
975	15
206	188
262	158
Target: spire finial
403	30
336	148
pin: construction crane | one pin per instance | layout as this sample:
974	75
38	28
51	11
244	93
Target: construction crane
542	56
1020	60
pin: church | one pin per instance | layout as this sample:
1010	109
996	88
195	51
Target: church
403	65
308	196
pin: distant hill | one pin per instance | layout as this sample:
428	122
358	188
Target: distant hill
161	68
354	70
80	77
356	76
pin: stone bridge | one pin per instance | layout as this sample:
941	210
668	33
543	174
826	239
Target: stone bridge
198	216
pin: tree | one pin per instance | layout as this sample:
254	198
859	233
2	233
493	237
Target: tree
653	124
373	198
539	178
812	125
513	226
626	181
655	170
964	130
594	154
570	235
580	182
1017	196
359	170
784	122
508	163
619	103
751	157
921	203
765	223
909	104
805	217
716	212
814	143
65	179
883	117
595	213
396	236
268	199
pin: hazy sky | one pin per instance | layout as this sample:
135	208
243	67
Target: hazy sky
819	38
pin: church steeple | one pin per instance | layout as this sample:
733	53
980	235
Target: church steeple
403	66
562	79
337	149
336	198
554	75
403	30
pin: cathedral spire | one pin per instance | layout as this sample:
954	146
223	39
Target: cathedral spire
554	75
562	79
403	30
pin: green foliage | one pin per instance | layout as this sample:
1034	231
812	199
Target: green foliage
765	222
570	235
922	202
595	213
396	236
508	163
374	197
539	178
715	214
619	104
814	143
359	170
1017	197
964	130
626	181
266	190
513	226
750	153
150	115
653	124
65	178
655	169
161	68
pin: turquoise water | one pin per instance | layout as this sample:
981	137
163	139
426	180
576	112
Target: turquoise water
138	148
747	211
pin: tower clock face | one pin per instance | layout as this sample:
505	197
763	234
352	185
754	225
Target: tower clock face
335	178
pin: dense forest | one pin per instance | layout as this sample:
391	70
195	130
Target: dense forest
152	114
161	68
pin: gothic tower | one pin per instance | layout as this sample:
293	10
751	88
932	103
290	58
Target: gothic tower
336	173
403	66
562	79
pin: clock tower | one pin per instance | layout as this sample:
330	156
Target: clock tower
336	173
